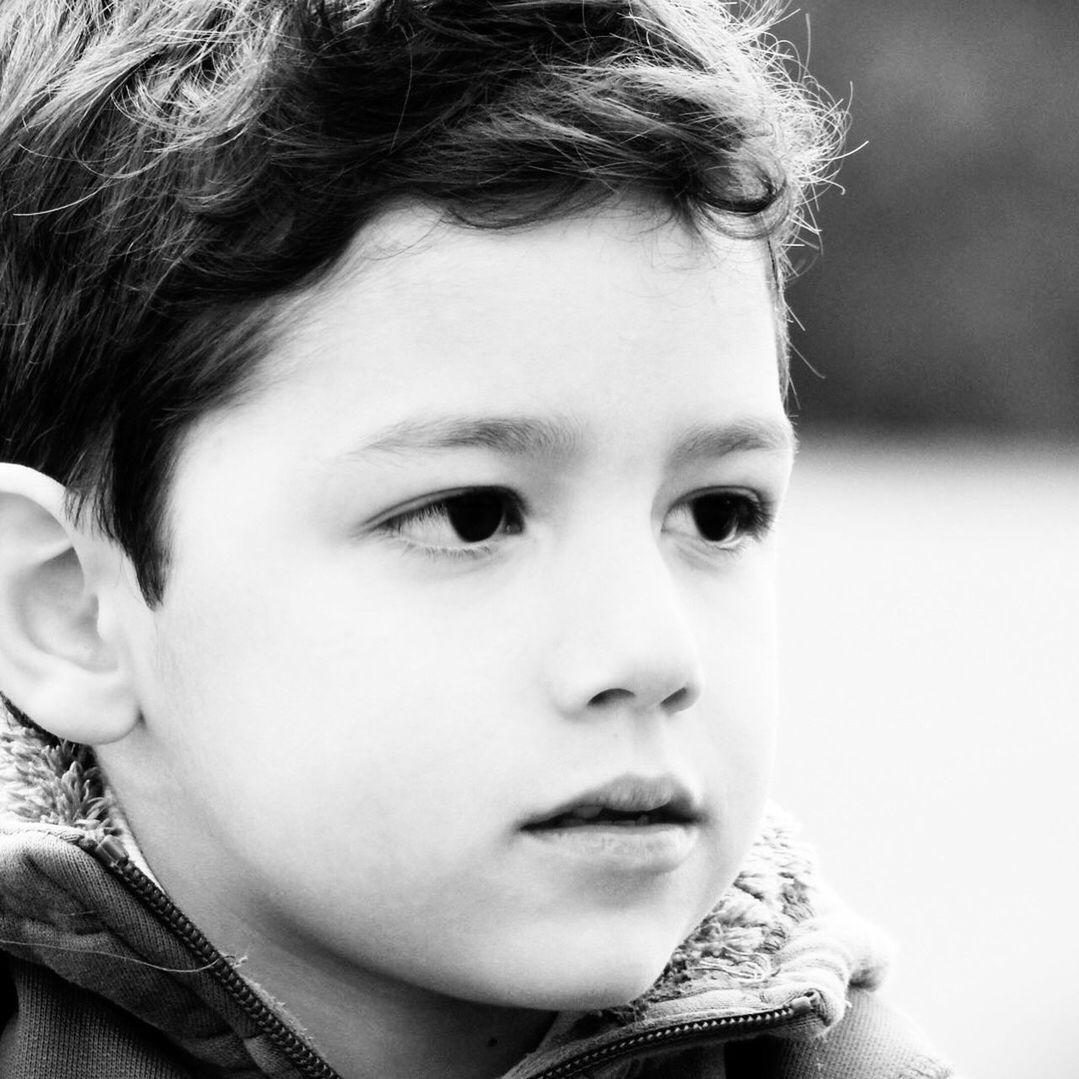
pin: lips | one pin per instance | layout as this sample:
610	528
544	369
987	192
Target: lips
628	802
633	827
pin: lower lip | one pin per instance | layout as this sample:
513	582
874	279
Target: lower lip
648	848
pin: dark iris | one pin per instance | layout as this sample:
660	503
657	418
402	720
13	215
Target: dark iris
722	518
478	515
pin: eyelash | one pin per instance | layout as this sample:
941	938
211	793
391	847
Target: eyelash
754	514
438	509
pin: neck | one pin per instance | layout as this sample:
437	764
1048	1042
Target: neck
364	1026
362	1022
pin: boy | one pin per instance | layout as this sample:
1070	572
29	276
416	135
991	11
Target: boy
393	416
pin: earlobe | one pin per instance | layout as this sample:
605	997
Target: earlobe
56	666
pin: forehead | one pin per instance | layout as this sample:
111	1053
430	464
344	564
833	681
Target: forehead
415	278
625	243
614	312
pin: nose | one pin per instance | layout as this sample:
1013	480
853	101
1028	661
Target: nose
623	639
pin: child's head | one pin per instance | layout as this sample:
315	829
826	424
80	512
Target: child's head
400	412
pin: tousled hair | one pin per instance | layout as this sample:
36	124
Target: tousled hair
170	168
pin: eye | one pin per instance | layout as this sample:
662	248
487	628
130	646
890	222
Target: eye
460	520
722	519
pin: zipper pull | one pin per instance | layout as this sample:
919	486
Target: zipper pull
110	852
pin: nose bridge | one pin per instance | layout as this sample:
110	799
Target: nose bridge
623	635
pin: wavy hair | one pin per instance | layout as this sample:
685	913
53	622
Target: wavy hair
170	167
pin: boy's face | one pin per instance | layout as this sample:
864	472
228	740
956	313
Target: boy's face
491	543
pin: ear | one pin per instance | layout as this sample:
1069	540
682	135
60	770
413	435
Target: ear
57	665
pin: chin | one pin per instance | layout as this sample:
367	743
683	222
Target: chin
587	975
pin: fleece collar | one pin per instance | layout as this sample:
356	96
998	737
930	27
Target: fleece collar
775	936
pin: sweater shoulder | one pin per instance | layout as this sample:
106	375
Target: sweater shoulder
52	1029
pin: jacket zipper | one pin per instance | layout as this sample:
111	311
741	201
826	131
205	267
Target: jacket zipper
114	858
689	1030
111	854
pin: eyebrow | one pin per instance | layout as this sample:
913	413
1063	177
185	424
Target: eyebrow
527	436
741	436
515	436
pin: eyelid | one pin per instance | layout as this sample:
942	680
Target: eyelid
763	515
416	506
754	523
396	522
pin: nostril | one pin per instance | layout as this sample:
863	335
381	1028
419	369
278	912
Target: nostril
610	696
675	702
678	700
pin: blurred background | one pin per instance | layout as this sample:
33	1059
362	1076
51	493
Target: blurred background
931	547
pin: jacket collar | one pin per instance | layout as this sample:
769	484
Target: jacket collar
775	938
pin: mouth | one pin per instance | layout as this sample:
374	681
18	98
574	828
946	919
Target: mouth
593	815
625	802
631	824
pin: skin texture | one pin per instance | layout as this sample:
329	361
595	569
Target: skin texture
358	711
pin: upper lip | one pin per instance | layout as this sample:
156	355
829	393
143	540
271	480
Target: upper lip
631	794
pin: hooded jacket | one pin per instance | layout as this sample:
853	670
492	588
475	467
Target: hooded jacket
102	977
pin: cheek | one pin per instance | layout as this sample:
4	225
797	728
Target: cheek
360	704
735	626
736	630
